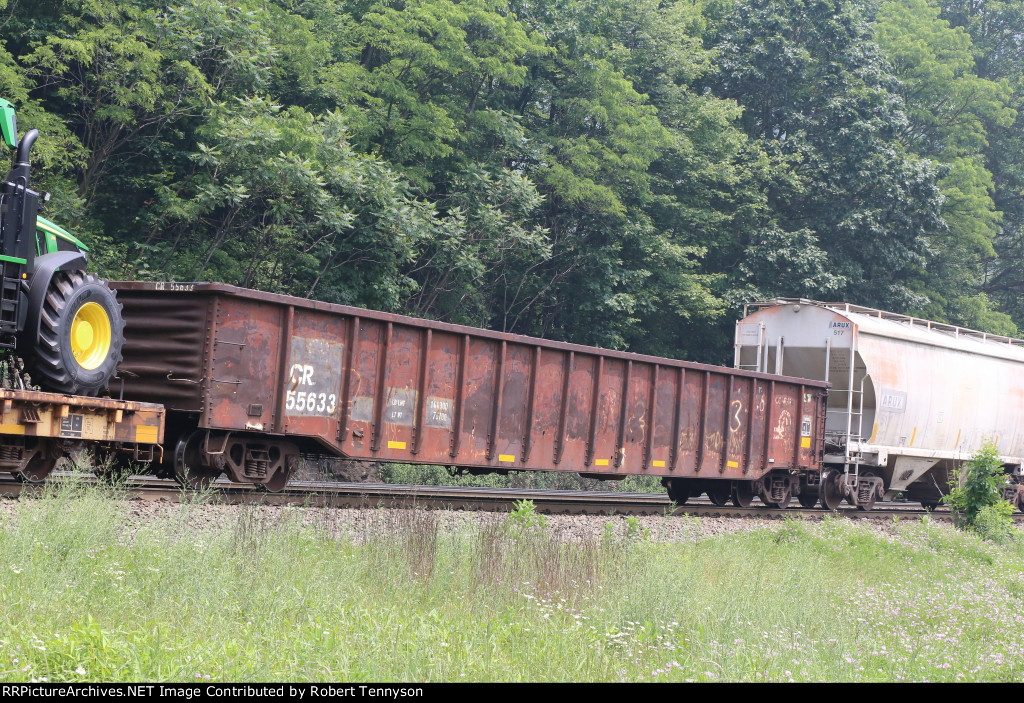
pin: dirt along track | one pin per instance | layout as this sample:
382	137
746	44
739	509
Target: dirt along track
375	495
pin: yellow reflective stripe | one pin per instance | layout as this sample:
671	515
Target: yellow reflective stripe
146	434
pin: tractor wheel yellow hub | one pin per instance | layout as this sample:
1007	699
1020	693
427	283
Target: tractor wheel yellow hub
90	335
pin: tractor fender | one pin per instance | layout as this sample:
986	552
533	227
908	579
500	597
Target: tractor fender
45	266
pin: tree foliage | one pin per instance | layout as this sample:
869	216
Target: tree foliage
615	172
846	202
950	109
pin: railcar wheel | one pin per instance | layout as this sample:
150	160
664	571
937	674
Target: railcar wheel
279	480
742	494
719	493
807	499
929	505
829	493
189	471
678	490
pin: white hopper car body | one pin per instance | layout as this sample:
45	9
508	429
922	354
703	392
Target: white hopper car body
911	400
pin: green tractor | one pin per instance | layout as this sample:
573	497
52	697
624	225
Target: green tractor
64	323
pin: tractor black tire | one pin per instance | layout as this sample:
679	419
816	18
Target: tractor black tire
81	334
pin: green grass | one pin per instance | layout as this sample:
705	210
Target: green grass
278	595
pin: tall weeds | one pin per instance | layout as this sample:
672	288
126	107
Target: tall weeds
247	594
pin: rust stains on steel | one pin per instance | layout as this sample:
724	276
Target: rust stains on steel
74	418
372	385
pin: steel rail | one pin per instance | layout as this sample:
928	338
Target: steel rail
554	502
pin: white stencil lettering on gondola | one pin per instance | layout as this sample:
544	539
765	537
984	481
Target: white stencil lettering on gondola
400	407
736	407
439	413
314	378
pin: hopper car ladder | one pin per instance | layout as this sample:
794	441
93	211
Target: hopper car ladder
851	460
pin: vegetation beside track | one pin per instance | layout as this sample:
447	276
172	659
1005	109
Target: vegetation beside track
422	475
275	595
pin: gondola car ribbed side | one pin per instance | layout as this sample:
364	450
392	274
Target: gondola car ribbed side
250	380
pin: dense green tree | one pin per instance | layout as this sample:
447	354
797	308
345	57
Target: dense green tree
103	68
998	51
849	209
419	85
58	155
949	107
613	125
415	73
616	172
280	201
703	190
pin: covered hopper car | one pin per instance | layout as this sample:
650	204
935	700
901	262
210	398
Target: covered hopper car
251	380
910	399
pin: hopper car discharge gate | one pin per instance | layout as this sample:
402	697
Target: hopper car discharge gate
251	380
911	399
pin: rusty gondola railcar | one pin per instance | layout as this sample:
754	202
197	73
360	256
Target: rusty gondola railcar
250	380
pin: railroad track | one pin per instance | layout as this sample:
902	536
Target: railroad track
370	495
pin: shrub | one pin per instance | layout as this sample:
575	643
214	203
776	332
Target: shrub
524	516
978	493
995	522
635	530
